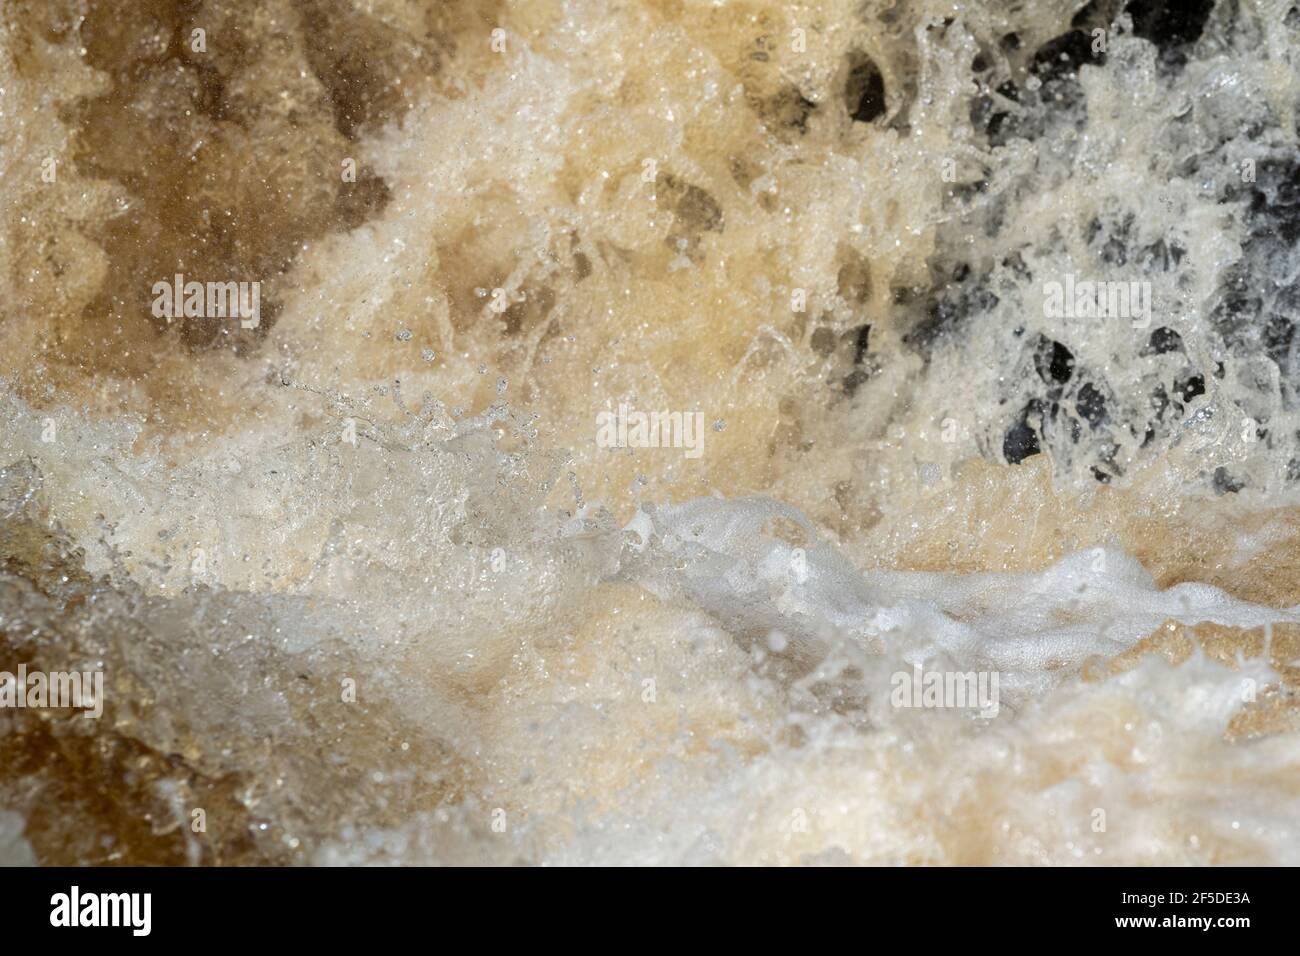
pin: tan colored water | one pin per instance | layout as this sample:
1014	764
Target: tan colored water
366	587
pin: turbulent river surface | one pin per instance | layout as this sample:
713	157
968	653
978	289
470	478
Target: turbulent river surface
650	431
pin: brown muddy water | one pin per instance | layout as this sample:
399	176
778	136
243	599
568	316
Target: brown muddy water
656	431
